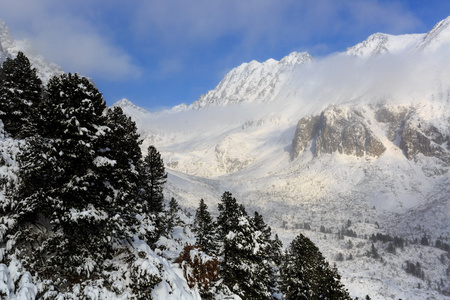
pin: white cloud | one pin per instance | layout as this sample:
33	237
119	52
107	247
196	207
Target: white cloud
271	21
60	32
75	34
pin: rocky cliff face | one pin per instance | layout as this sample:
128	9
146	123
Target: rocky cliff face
353	131
343	130
413	134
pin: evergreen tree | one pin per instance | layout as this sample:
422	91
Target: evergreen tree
247	271
244	250
306	275
272	254
61	184
373	252
259	224
173	219
152	179
275	252
229	213
118	158
20	95
204	228
121	143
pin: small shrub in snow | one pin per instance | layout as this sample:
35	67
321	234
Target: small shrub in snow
199	269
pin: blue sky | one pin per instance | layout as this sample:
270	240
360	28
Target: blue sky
160	53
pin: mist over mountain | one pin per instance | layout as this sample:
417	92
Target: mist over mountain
351	149
362	135
10	47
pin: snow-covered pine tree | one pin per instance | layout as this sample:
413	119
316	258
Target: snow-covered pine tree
152	179
272	253
173	219
229	213
244	250
259	224
247	272
118	160
275	251
204	229
306	275
62	196
122	144
20	95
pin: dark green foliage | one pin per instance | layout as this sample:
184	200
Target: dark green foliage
77	183
245	269
229	213
83	191
441	245
204	229
173	218
271	255
72	109
143	278
152	179
259	224
121	143
118	158
306	275
275	251
20	95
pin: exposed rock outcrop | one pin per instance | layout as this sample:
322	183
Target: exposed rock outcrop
426	140
343	130
349	131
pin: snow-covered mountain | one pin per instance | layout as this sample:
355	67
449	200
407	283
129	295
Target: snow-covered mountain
380	43
10	47
362	136
358	140
253	81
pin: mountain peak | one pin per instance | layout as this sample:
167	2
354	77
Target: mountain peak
381	43
436	37
128	106
296	58
253	81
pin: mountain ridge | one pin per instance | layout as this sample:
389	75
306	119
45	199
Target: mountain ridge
373	148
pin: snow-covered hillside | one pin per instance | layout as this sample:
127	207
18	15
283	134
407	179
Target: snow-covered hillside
361	136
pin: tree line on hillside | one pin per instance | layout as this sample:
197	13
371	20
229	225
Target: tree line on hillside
84	191
82	182
252	263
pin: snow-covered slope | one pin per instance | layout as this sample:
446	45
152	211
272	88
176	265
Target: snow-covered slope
380	43
324	141
253	81
10	47
437	37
